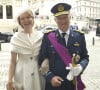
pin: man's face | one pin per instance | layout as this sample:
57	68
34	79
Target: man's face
63	22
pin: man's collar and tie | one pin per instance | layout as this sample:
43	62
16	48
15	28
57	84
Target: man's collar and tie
67	32
64	36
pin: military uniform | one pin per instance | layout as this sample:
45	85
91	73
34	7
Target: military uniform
75	44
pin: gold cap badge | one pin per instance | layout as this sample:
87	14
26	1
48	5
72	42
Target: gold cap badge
60	8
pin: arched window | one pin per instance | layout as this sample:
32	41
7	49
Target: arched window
9	12
1	11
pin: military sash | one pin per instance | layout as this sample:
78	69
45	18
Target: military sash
61	50
65	56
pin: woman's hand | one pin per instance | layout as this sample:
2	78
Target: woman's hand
10	86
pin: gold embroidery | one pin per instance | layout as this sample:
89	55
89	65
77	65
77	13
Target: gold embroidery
60	8
76	44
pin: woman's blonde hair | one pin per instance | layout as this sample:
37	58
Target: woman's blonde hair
28	11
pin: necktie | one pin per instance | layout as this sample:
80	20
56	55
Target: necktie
63	38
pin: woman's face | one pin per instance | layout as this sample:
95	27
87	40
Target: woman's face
63	22
26	20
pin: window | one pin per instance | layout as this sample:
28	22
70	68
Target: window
9	12
1	11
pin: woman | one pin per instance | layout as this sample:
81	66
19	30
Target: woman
25	46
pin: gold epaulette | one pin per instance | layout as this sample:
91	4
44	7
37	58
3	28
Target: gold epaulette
48	31
80	31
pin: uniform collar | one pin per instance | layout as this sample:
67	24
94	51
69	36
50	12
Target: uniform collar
67	32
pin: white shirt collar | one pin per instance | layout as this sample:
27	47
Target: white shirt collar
67	32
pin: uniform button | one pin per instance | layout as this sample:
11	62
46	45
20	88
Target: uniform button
31	58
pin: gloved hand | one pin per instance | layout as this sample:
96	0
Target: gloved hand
44	67
77	70
74	71
70	75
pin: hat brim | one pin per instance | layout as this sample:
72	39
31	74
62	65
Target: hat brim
61	13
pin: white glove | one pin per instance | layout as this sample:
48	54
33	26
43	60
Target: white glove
74	71
77	70
70	75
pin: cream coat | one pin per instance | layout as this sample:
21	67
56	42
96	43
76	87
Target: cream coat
26	74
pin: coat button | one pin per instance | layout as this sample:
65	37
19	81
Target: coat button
32	74
31	58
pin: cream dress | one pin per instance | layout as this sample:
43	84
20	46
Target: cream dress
26	73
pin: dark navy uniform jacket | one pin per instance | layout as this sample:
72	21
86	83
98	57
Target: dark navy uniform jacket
76	44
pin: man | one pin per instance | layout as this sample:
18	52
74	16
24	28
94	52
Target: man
68	56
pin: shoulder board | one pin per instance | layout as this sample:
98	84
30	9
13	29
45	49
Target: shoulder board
48	31
80	31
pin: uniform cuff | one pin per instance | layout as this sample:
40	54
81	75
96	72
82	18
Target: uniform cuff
49	76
